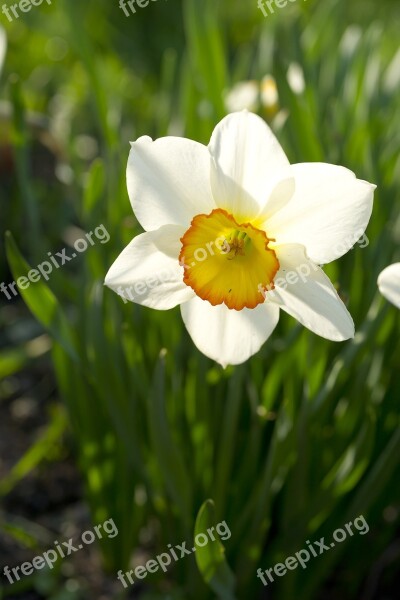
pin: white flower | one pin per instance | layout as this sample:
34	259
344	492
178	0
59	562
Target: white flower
243	95
234	233
295	78
389	284
253	96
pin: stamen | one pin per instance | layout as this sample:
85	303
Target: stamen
236	242
252	263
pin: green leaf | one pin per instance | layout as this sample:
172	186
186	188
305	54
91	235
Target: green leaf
169	457
206	50
211	559
41	300
15	359
38	452
350	467
94	190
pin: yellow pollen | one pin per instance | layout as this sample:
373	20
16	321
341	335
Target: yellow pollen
227	262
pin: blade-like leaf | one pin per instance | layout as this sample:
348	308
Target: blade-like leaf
211	559
41	300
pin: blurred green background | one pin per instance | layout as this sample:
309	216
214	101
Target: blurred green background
297	442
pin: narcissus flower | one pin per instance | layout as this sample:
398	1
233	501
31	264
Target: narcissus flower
243	95
234	233
389	284
254	96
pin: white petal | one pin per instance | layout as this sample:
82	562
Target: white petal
295	78
283	188
148	271
247	160
229	337
304	291
169	181
389	284
327	214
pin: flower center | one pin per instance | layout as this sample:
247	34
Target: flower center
236	243
227	262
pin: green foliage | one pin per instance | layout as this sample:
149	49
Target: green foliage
305	436
210	557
